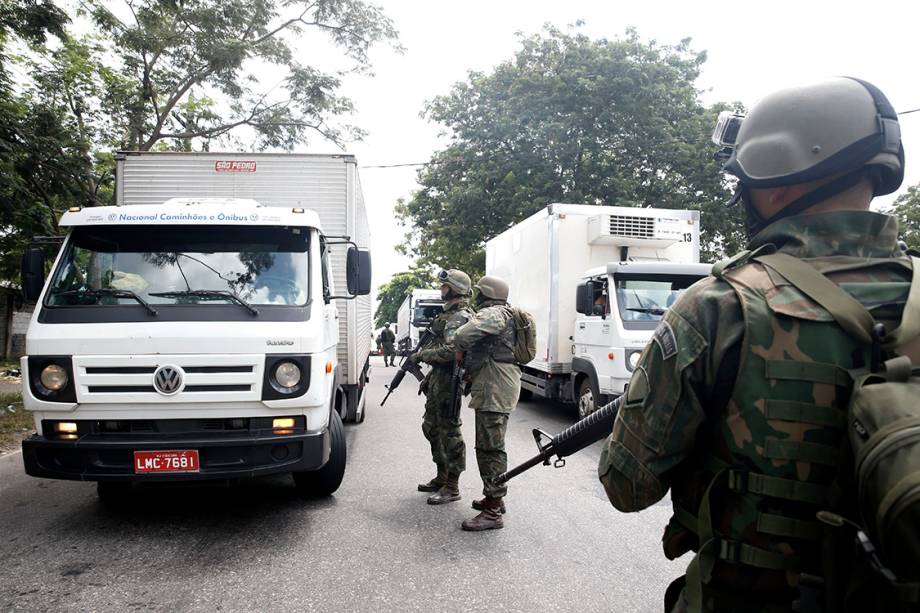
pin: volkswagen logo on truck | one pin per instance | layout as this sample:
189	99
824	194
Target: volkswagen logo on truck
168	379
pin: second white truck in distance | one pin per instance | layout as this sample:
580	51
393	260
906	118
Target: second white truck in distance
597	280
415	314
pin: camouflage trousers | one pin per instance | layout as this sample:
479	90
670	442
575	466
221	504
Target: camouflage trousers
448	450
490	450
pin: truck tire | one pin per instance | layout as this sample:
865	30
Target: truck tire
589	398
326	480
525	395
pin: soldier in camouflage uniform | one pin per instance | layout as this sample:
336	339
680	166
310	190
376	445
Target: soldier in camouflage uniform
442	430
738	404
386	341
488	342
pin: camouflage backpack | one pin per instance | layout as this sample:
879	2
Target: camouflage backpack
525	335
883	430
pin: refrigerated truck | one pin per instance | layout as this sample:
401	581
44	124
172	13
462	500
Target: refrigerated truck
214	324
597	280
415	314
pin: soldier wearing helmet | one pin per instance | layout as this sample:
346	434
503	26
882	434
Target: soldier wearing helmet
448	450
487	342
386	341
737	404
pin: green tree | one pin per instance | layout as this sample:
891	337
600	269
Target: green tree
44	162
392	293
569	119
191	70
907	210
160	74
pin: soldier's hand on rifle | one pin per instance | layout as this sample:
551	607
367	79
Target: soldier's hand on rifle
414	358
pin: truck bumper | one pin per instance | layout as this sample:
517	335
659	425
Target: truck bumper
94	458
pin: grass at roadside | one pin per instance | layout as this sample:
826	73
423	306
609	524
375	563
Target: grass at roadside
13	424
6	365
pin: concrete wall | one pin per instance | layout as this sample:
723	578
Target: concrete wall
18	338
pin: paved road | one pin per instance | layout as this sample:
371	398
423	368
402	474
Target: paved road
374	546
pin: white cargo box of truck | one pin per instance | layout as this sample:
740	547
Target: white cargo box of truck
326	184
415	313
548	255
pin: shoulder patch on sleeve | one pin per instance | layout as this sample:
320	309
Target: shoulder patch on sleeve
666	340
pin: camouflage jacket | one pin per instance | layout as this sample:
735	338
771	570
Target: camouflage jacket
496	386
440	351
685	419
386	337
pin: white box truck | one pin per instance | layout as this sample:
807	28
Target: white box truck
201	328
416	313
597	280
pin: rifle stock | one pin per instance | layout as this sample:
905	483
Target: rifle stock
573	439
408	366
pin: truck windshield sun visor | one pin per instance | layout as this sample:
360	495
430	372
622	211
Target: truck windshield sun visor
172	270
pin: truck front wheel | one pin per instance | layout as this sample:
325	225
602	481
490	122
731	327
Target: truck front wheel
326	480
588	398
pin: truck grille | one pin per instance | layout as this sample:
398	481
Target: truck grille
205	378
628	226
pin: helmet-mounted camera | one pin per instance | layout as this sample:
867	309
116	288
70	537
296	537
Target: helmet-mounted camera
725	134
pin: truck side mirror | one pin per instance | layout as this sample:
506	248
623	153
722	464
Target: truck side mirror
583	302
358	271
33	274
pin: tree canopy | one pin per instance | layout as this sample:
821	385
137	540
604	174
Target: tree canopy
569	119
392	293
160	74
907	210
191	70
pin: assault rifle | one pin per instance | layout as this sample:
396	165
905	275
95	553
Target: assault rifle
408	366
457	383
573	439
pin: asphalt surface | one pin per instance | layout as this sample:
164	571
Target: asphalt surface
373	546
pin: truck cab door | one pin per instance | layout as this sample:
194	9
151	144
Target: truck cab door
330	308
594	332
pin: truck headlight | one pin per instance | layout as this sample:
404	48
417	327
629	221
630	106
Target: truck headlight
632	358
287	374
54	377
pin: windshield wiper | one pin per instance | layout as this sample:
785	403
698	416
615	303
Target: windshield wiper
649	310
208	293
107	291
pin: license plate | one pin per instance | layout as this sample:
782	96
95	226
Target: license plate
180	461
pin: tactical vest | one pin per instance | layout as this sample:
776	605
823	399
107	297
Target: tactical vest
772	458
499	347
457	314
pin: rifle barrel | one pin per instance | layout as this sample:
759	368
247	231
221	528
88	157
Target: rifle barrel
573	439
520	468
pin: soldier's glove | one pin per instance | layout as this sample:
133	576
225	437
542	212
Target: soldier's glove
415	358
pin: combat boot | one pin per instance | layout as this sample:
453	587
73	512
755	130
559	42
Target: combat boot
449	492
477	504
435	484
489	519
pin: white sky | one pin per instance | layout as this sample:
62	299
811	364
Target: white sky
753	49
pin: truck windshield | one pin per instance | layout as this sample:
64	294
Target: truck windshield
188	265
425	313
647	297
